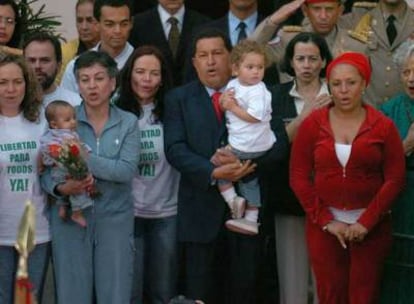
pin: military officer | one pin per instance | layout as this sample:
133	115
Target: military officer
359	9
321	17
378	34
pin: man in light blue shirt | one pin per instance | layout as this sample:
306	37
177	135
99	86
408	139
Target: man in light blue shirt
240	12
241	17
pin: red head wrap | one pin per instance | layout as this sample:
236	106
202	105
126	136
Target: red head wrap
357	60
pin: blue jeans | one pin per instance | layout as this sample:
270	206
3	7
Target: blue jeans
155	267
38	261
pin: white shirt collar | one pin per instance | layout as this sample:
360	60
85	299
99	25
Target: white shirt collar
122	57
294	92
250	22
211	91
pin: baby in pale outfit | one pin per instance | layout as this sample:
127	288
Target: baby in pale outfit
62	125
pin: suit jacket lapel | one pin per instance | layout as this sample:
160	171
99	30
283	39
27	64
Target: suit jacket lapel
185	32
378	26
407	28
225	25
205	112
158	31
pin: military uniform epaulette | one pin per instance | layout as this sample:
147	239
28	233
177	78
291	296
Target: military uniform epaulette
365	4
358	36
363	29
292	28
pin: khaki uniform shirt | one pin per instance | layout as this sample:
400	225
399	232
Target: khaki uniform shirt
359	9
370	37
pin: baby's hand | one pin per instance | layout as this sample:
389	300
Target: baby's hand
227	100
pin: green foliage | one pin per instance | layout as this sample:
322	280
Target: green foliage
37	20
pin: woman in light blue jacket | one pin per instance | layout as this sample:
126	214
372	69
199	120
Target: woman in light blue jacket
98	259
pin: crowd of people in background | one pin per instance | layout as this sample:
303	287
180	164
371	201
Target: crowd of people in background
251	153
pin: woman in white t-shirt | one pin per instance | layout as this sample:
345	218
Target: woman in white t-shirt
144	80
21	127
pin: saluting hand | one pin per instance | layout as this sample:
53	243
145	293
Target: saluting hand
285	11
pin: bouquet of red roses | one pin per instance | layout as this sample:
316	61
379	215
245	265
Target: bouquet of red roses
69	155
72	156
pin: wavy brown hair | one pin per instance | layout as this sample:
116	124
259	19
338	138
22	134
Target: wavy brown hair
127	98
32	100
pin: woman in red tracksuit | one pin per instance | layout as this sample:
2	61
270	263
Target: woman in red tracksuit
347	168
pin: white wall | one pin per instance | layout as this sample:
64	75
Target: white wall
66	10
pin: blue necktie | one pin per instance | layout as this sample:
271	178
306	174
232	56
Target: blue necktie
242	31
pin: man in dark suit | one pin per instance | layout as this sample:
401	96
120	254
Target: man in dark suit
247	11
240	12
139	6
220	266
169	27
239	23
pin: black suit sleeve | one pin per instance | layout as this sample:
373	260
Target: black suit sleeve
193	166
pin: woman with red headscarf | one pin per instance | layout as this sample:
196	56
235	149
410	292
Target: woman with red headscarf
347	167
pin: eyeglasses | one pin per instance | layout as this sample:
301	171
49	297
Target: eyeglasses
7	21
